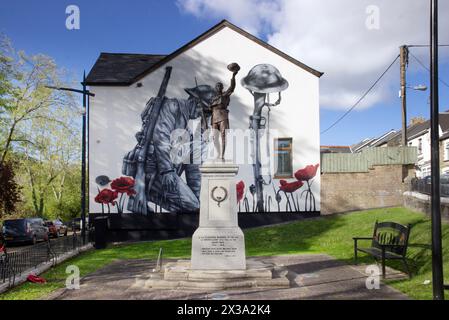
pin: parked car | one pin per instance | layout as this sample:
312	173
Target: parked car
52	230
2	241
444	184
29	230
77	224
60	227
444	179
423	185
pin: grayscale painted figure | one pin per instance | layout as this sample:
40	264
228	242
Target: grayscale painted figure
157	176
205	94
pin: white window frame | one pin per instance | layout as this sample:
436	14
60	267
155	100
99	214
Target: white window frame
289	150
446	150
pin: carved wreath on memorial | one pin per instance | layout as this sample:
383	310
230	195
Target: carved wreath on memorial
219	198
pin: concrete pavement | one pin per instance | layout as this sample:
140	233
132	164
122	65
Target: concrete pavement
311	277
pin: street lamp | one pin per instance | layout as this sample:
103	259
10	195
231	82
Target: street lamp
86	93
402	95
419	87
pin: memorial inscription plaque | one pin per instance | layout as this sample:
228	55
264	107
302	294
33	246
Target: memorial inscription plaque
218	243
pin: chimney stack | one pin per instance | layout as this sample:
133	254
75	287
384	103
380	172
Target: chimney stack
417	120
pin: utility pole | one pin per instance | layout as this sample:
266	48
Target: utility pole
404	63
437	252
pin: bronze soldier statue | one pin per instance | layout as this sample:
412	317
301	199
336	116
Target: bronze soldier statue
220	113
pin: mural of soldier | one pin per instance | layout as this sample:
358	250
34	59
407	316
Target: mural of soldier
205	94
157	175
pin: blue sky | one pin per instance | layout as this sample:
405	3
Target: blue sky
139	26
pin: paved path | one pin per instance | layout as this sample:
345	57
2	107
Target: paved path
311	277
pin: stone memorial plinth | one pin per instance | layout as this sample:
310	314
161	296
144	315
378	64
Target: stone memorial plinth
218	243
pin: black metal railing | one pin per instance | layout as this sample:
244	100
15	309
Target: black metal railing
17	262
423	186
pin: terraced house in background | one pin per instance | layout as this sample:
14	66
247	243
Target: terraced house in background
418	136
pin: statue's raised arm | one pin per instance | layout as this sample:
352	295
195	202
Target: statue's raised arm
234	68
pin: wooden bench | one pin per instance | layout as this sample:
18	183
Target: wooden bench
389	242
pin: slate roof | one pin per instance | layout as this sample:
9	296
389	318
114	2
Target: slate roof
413	132
118	69
335	149
444	121
417	130
356	147
393	138
383	139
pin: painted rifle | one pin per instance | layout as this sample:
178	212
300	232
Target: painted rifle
139	202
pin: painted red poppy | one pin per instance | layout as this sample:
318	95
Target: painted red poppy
307	173
290	187
123	185
240	190
106	196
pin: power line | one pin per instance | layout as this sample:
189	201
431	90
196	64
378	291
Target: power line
425	45
362	97
425	67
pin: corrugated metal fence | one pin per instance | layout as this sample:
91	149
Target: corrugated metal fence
363	161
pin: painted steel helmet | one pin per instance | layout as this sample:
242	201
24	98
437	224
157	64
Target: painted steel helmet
264	78
204	93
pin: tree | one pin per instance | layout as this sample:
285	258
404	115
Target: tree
49	160
65	202
10	190
39	130
24	96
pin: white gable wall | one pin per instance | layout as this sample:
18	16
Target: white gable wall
115	111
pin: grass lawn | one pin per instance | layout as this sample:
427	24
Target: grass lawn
331	235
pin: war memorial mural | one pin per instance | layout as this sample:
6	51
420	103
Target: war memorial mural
162	172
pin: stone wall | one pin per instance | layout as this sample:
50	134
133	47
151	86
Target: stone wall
421	202
382	186
164	226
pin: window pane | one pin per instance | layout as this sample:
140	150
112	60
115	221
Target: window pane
446	151
283	158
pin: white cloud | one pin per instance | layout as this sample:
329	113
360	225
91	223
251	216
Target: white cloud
251	15
331	36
